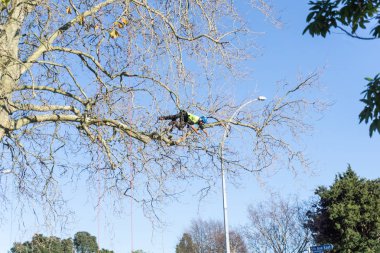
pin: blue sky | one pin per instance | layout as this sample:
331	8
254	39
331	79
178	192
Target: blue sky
337	139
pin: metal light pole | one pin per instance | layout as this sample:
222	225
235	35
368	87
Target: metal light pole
226	229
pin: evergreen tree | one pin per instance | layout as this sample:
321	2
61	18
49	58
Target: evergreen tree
185	245
84	242
347	214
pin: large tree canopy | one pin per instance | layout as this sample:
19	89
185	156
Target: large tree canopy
357	19
277	226
347	214
83	82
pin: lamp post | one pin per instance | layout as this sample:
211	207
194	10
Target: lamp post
226	229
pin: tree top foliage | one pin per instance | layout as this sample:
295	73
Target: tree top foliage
347	214
354	18
350	16
83	242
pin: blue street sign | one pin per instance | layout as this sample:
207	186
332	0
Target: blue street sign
321	248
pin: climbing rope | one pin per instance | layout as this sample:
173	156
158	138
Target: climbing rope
99	188
129	148
131	168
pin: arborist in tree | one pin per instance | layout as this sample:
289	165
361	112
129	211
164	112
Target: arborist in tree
183	118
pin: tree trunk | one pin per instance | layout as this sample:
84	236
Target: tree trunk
10	65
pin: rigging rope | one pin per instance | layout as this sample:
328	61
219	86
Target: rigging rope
99	195
131	167
99	178
129	147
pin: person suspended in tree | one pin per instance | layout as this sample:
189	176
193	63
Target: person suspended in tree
183	119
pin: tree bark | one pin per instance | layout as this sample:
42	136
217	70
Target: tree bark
10	64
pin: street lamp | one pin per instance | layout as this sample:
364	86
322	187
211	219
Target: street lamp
226	230
6	171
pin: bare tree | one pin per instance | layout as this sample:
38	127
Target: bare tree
83	82
277	226
208	237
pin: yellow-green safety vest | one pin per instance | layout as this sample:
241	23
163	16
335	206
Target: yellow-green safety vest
192	119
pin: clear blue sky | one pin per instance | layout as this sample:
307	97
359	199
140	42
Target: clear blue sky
337	140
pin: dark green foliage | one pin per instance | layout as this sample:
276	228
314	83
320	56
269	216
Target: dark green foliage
84	242
323	18
348	214
108	251
351	16
185	245
42	244
371	111
67	245
346	15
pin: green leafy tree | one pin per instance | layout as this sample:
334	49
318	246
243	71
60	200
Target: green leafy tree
84	242
347	214
353	18
43	244
19	247
185	245
68	245
111	251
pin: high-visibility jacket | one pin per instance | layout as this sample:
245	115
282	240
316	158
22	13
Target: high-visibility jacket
192	119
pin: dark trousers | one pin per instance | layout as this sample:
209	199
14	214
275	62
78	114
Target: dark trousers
182	117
